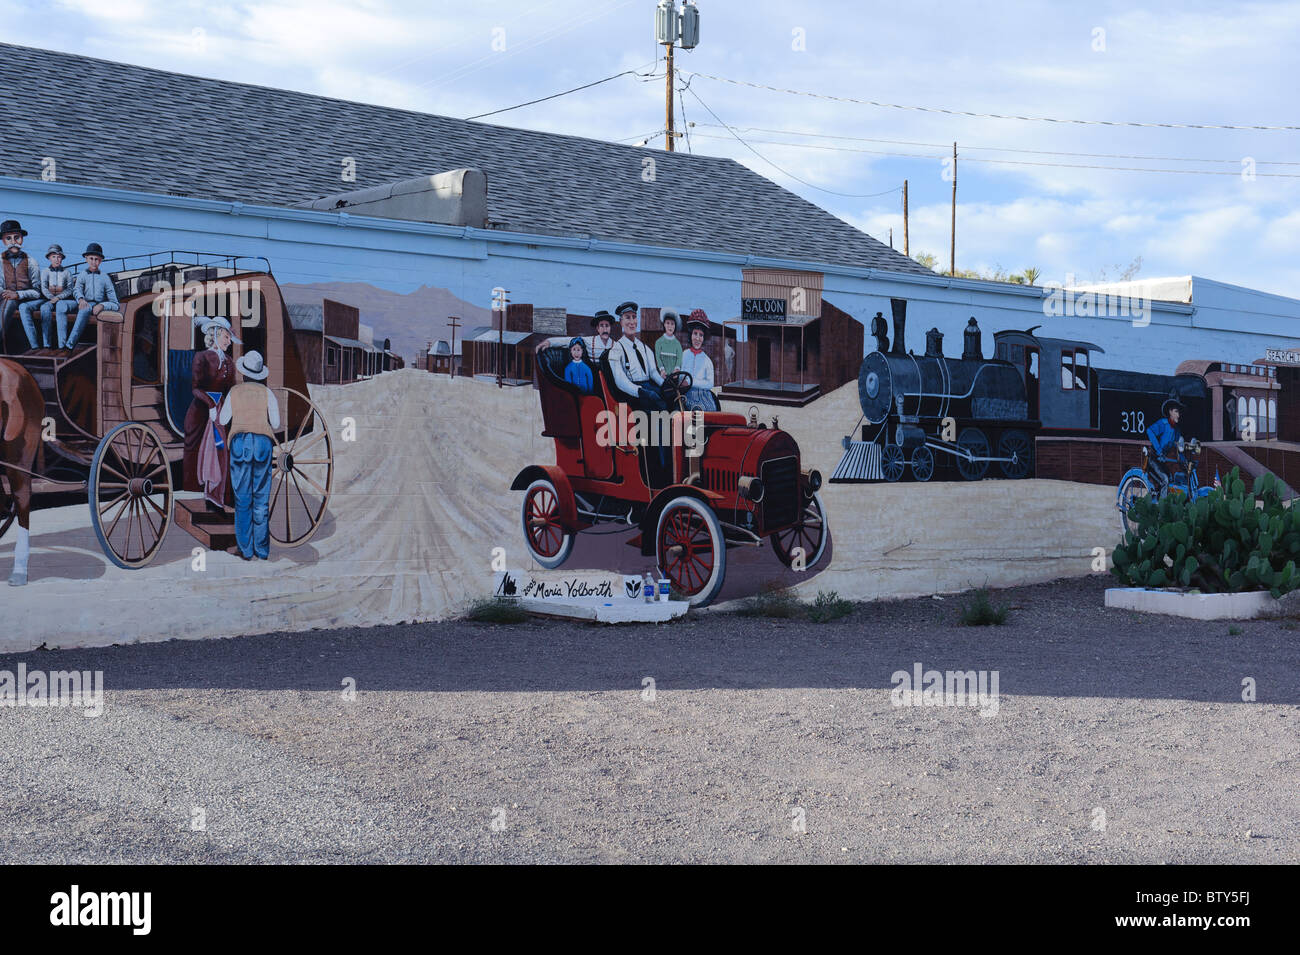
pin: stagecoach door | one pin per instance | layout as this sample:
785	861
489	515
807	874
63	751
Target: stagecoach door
180	364
1031	379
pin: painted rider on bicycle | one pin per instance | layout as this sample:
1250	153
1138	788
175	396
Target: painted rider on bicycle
1165	439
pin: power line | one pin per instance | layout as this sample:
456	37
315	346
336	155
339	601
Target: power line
1010	162
963	112
1006	149
576	89
846	195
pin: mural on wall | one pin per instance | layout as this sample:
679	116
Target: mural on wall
179	372
201	391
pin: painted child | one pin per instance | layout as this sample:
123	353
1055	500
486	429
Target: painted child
93	293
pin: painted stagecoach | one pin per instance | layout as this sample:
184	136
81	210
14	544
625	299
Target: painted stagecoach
112	411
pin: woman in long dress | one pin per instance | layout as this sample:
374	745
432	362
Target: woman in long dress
213	373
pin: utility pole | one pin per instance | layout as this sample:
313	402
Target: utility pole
499	301
668	104
906	250
952	249
454	323
675	26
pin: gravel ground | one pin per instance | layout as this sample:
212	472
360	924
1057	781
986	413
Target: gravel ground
536	743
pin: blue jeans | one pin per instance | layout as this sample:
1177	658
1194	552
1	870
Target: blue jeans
250	477
83	316
41	336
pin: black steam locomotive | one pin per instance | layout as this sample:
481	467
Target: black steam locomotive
931	414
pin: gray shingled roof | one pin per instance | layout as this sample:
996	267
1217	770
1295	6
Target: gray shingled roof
130	127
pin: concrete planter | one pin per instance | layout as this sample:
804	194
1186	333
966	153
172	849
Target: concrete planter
1197	606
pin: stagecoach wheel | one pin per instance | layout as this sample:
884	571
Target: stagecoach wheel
1017	445
891	462
973	441
302	470
1130	491
547	540
691	550
922	464
130	494
810	534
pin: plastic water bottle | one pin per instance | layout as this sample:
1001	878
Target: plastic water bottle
648	589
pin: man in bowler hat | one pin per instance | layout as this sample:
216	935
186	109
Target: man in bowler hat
21	282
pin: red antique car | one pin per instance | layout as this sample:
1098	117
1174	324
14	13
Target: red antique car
726	482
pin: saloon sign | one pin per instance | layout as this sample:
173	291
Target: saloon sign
762	309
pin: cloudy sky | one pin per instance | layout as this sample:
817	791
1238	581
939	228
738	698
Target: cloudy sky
1174	63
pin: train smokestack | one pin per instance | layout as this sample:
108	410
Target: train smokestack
899	307
972	349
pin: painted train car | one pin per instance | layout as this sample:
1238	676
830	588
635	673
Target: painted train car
970	417
1071	397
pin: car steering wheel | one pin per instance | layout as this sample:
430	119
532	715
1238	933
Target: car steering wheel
676	384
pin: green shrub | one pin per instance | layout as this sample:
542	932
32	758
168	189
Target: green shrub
771	601
496	610
1228	541
980	612
828	607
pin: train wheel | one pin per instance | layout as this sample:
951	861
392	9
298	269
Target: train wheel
1016	444
810	535
972	440
130	492
1130	491
922	463
891	462
548	542
691	550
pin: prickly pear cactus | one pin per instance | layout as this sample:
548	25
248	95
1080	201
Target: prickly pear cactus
1231	540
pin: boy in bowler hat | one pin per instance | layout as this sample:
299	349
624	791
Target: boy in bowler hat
93	293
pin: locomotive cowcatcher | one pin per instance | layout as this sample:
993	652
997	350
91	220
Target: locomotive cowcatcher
726	482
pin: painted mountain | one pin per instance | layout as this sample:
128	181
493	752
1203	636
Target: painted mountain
410	320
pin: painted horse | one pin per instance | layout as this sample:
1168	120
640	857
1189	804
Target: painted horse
21	409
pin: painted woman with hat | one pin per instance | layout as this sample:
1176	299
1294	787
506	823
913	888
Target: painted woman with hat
212	376
252	416
697	363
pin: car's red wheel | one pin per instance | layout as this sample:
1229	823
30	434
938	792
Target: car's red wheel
809	536
548	541
691	550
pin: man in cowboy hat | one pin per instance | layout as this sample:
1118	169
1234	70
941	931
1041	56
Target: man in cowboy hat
94	293
20	281
56	287
252	416
1165	439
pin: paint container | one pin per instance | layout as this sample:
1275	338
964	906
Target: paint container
663	589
